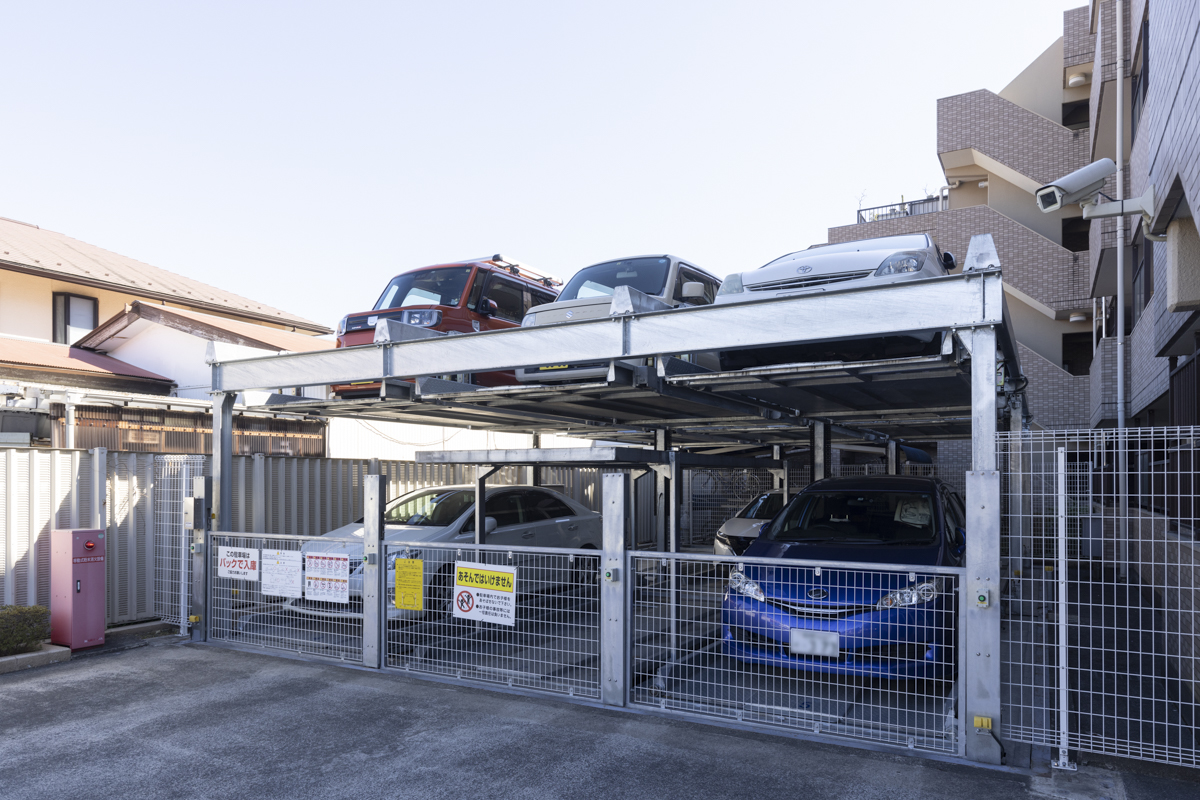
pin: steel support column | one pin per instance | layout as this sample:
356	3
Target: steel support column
979	666
893	458
662	441
613	592
820	452
222	446
374	587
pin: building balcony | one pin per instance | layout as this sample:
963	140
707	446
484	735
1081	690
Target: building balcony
910	208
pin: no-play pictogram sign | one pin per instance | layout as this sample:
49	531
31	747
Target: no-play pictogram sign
465	601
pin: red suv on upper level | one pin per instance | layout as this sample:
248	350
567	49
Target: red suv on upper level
481	294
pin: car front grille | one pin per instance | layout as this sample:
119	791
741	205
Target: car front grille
806	283
809	611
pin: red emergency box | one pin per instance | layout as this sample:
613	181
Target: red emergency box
77	588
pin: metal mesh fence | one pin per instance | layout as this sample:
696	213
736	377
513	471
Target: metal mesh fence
277	603
799	645
172	562
1099	621
714	495
550	643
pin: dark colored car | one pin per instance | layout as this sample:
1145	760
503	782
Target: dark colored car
868	622
481	294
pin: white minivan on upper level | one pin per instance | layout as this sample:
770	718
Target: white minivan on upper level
588	295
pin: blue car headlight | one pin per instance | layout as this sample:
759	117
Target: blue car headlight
917	594
901	262
738	582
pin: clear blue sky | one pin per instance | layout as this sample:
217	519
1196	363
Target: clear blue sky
302	153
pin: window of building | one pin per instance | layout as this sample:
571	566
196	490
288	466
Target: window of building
1143	275
1075	115
1141	82
74	316
1077	353
1075	234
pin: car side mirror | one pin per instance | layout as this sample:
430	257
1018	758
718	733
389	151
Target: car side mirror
948	261
488	308
489	525
693	290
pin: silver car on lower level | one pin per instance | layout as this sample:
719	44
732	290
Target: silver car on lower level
516	516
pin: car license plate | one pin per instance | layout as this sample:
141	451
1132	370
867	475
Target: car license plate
814	643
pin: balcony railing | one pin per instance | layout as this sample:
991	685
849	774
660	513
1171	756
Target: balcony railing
906	209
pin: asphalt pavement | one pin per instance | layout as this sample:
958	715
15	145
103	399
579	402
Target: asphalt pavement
180	720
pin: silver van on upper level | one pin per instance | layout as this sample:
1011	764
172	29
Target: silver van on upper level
588	295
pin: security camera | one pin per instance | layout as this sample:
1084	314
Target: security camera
1081	186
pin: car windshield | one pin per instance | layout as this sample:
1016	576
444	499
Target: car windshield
647	275
431	507
426	287
765	506
911	242
904	518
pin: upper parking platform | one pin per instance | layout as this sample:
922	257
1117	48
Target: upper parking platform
923	397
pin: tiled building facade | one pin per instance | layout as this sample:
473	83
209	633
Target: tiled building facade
997	149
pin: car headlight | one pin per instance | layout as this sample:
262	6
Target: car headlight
422	317
528	320
732	285
914	595
901	262
341	326
739	583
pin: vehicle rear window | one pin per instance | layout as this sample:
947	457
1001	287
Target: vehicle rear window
873	518
648	275
765	506
426	287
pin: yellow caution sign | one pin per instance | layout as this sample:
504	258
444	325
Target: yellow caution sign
410	584
478	578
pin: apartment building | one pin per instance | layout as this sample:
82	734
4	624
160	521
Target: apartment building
1056	116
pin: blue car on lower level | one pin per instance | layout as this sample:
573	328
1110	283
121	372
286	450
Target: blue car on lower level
893	623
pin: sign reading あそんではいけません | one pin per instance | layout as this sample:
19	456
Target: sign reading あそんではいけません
485	593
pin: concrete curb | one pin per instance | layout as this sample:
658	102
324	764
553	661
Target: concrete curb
49	654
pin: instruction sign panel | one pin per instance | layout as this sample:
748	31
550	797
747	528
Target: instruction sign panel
410	583
327	577
237	562
282	573
485	593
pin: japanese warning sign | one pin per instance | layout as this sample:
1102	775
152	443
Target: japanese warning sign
485	593
282	573
410	583
327	577
237	562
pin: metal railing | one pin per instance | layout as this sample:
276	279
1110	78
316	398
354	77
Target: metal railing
815	654
910	208
281	601
546	633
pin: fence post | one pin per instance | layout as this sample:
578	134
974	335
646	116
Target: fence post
1064	688
615	576
374	601
99	486
222	463
258	493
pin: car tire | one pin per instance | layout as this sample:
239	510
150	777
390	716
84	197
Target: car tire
586	571
441	595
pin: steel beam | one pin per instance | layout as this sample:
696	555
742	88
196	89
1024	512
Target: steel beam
935	304
614	579
373	586
980	598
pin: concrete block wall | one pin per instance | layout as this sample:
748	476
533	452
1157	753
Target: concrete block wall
1103	380
1149	376
1057	398
1036	147
1079	45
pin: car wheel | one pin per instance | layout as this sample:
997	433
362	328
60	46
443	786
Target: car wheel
441	595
